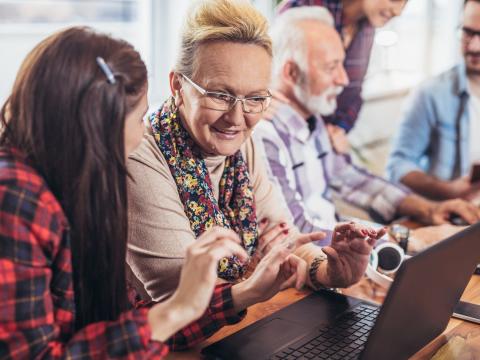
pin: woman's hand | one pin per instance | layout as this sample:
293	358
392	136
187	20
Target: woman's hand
269	238
280	234
348	254
197	282
278	270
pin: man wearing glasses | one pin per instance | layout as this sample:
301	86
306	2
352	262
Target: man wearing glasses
438	144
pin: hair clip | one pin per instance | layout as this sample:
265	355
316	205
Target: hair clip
106	70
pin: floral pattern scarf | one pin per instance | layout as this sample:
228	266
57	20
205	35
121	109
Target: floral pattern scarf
235	208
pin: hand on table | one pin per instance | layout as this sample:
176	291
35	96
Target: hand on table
442	212
463	188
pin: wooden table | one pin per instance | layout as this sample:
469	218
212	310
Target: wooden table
461	339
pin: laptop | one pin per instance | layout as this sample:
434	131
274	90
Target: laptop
328	325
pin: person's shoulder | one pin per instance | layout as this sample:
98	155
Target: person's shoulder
148	153
258	149
274	128
14	169
24	185
443	82
265	129
33	217
16	172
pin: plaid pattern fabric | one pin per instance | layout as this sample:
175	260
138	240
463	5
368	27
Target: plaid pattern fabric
37	305
221	312
356	60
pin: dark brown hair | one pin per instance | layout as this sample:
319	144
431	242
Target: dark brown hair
69	121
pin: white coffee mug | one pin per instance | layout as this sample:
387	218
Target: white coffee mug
385	259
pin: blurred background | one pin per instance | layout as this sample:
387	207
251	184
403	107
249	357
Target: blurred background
420	43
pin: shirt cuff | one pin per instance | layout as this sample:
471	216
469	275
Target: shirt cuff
384	207
152	347
220	312
344	125
222	308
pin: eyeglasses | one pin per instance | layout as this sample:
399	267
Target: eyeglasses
469	34
225	102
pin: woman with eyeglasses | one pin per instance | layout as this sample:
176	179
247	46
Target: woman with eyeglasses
75	113
197	166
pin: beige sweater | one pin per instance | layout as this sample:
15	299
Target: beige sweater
159	230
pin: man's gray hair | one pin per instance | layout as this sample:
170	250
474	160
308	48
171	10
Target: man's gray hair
289	40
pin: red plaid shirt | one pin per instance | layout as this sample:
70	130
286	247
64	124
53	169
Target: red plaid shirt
37	307
356	60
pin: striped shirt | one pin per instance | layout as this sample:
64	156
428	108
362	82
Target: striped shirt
308	172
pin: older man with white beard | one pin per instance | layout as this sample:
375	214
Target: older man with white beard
307	76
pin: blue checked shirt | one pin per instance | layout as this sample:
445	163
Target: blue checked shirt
308	172
427	137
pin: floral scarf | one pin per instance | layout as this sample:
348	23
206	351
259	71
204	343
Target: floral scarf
235	208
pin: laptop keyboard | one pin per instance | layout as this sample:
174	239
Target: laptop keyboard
344	339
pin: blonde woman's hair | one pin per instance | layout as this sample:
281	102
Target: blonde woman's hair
220	20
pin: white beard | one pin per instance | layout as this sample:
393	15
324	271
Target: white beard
318	104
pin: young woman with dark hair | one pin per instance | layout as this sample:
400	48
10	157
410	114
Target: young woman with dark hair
74	114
